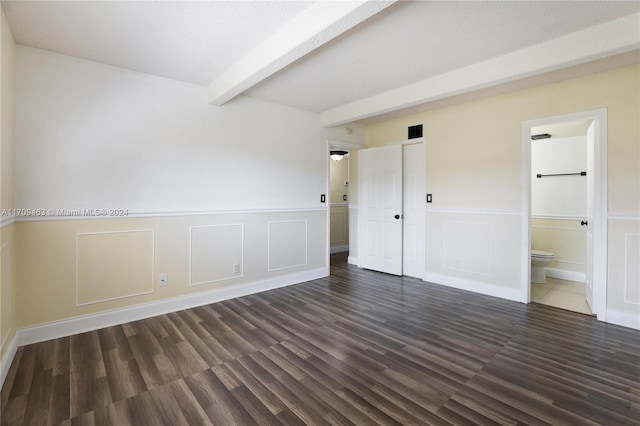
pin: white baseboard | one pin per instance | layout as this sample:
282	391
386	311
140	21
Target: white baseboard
563	274
624	319
514	294
11	347
68	327
352	260
338	249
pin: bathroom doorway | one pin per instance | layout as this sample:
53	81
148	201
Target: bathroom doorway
566	200
559	215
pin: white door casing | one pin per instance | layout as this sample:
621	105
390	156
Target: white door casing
590	209
380	212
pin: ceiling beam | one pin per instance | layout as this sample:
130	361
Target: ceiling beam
316	25
604	40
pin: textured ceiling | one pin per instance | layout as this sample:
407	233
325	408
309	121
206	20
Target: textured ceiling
183	40
412	41
197	42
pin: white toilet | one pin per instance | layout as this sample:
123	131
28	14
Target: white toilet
539	259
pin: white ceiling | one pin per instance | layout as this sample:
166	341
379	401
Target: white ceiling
400	45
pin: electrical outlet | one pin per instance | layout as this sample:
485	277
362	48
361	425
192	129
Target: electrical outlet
236	268
164	280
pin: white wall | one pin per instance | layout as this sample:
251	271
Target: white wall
559	203
95	136
227	198
559	196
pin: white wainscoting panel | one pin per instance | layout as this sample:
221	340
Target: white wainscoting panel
339	228
287	244
353	235
114	265
623	270
476	250
216	253
632	269
469	247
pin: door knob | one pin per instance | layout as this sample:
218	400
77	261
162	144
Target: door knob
584	223
397	216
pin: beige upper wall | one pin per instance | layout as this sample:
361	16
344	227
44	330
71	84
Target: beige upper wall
474	150
6	112
7	75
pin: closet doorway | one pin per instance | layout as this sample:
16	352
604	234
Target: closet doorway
391	215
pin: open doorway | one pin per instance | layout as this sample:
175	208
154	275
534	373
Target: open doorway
559	187
565	207
341	210
339	201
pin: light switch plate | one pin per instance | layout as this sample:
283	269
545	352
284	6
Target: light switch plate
164	280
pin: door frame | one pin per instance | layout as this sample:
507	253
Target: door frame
599	225
347	146
423	239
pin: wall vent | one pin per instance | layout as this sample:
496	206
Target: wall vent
415	131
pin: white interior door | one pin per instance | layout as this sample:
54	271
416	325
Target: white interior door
380	210
590	209
414	158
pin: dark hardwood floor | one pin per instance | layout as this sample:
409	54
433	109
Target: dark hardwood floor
355	348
